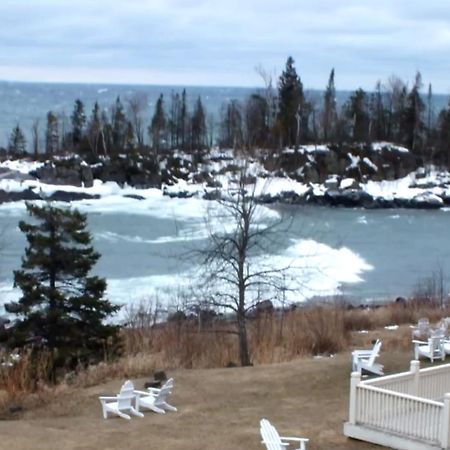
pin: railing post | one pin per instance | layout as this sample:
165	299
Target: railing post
354	381
415	371
445	426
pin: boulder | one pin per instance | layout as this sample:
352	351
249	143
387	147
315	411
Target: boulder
349	198
67	196
426	200
27	194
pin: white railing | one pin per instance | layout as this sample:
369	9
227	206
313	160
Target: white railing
431	383
393	404
434	382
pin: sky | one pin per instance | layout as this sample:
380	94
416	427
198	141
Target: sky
220	43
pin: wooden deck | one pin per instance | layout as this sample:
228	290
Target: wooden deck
405	411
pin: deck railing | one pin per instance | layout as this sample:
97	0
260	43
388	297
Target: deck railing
431	383
414	404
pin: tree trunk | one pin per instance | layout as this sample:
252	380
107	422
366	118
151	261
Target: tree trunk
244	355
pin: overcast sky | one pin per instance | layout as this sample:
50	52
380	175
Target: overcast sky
209	42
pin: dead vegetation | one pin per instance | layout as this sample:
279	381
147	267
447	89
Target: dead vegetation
208	341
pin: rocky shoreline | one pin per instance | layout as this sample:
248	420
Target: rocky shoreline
313	175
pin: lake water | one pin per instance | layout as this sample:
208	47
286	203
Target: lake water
363	254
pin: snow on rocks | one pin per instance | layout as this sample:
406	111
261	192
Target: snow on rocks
311	174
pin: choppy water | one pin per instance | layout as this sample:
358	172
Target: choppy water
374	254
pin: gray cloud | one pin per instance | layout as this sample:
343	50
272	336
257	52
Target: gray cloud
220	43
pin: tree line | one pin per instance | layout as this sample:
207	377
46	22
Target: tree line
271	118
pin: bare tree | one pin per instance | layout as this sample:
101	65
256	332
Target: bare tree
239	283
137	104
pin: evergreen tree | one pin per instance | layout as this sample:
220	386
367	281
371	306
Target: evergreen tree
430	123
157	128
17	145
95	132
357	113
182	124
35	138
119	125
78	119
231	126
173	121
412	125
291	104
52	134
256	121
329	109
198	127
377	115
130	139
62	305
444	135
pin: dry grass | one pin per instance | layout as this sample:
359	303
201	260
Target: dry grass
219	409
273	338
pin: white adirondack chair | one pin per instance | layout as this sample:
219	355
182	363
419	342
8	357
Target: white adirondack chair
155	399
121	402
432	349
446	345
365	360
273	441
422	329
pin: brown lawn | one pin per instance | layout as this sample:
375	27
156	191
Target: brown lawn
217	409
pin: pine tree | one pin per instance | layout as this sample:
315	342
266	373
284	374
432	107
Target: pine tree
119	125
157	129
78	119
356	111
17	145
130	139
377	115
184	116
62	305
329	109
412	125
198	127
256	121
95	132
231	125
52	134
291	104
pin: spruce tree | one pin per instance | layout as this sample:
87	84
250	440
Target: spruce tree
52	134
95	132
329	109
62	305
17	145
291	104
412	124
157	128
78	119
198	127
119	125
184	115
357	111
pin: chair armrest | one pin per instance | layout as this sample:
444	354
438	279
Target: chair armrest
294	439
284	444
362	352
153	390
107	398
141	392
